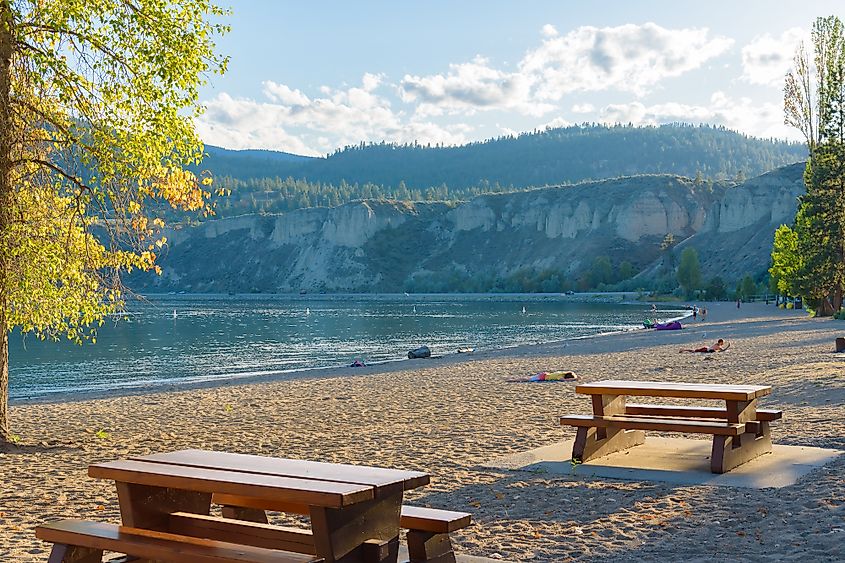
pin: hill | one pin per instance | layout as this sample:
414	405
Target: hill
548	239
268	182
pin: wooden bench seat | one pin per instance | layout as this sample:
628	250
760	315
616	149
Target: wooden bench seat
428	528
690	426
81	541
636	409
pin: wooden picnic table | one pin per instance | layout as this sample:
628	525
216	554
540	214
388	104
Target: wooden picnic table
740	430
354	510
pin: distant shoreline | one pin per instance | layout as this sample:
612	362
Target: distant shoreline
327	372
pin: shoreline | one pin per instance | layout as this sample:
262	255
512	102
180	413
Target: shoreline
375	368
451	418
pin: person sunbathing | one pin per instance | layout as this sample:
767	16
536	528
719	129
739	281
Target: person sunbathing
719	346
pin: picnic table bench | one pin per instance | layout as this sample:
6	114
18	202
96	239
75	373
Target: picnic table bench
741	431
165	502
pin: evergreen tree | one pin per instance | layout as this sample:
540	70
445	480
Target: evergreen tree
814	102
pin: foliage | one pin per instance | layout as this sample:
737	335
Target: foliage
266	182
716	289
786	262
601	272
809	259
689	271
97	101
746	288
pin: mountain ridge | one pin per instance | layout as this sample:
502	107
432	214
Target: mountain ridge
542	239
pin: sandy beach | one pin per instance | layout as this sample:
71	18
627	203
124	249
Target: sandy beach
449	416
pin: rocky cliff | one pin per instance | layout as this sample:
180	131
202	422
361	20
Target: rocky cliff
392	246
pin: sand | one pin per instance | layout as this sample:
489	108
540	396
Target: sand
448	416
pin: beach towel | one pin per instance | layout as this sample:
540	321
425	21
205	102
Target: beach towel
547	377
674	325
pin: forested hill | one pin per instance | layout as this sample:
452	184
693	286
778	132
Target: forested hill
554	156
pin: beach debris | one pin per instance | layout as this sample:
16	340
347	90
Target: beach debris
421	352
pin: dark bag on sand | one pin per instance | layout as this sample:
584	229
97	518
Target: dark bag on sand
421	352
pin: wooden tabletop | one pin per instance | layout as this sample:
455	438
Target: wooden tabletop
680	390
285	480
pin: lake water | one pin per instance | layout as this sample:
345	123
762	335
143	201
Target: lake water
184	339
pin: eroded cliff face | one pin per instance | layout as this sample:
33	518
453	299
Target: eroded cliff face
381	246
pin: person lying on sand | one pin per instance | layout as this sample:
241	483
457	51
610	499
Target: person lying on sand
719	346
546	376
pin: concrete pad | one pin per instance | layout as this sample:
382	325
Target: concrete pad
678	461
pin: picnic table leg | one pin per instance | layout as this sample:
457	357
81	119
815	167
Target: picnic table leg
428	547
732	451
62	553
365	531
148	507
592	443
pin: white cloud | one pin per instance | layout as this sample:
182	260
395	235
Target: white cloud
742	114
767	59
284	95
628	57
549	30
293	122
470	87
583	108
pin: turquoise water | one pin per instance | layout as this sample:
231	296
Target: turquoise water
187	339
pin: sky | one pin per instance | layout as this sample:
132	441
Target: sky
311	77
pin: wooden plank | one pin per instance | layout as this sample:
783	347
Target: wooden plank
159	545
295	468
637	409
340	534
301	491
259	503
433	519
592	443
143	506
427	547
680	390
732	451
659	424
236	531
607	405
411	518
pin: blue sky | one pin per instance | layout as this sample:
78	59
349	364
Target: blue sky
309	77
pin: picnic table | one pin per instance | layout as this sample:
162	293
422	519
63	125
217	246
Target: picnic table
740	430
165	502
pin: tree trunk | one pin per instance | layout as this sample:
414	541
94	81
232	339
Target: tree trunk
6	138
5	428
836	300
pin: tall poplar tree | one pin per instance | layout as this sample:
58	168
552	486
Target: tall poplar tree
814	103
97	101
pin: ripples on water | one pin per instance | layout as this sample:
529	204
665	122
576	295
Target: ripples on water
216	337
